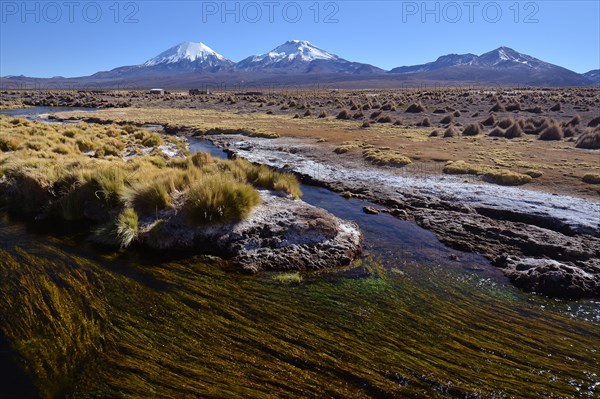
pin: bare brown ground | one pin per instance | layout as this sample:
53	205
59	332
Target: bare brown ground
561	164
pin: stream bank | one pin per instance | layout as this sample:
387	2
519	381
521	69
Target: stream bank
549	244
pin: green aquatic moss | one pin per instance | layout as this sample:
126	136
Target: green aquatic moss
133	325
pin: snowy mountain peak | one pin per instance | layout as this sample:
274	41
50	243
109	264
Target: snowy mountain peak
290	51
192	52
301	50
506	54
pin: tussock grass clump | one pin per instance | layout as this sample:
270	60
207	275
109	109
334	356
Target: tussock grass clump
415	108
552	132
514	131
201	159
385	119
472	130
506	177
148	196
594	122
576	120
375	115
463	168
62	149
84	144
426	122
152	140
447	119
451	132
503	177
386	157
108	183
265	177
31	191
183	163
344	114
497	108
497	132
513	107
505	123
349	146
8	143
219	199
127	227
489	121
591	178
590	139
569	131
120	232
108	150
262	134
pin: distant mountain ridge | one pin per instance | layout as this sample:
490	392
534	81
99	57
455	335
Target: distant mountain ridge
299	61
502	65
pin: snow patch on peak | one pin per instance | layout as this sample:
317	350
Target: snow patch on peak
187	51
298	49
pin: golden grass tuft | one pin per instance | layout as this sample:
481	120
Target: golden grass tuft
590	139
219	199
348	146
265	177
463	168
506	177
386	157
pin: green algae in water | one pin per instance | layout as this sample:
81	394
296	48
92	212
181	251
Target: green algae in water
84	326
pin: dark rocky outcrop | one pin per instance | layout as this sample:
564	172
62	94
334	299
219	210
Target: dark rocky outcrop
550	277
280	234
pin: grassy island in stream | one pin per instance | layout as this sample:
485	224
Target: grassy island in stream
115	175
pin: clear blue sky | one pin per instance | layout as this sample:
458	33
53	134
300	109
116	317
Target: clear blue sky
81	37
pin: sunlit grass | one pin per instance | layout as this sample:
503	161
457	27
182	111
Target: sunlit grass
43	182
219	199
288	278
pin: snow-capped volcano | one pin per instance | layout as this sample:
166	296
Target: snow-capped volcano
301	56
191	64
300	50
192	55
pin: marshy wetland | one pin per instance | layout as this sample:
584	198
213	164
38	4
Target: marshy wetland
411	317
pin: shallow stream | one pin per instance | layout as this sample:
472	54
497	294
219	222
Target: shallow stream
412	323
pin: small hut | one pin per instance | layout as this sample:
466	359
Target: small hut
199	92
